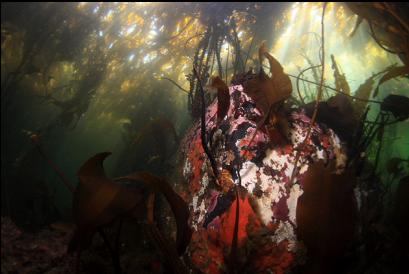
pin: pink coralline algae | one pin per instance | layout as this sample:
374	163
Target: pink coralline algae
253	158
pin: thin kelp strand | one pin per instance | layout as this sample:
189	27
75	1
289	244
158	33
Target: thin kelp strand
317	101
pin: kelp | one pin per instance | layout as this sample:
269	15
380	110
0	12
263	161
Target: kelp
342	111
317	100
267	91
166	248
397	105
279	85
336	109
311	67
338	114
392	73
269	94
388	24
85	88
156	130
341	83
98	201
220	28
178	205
363	92
203	133
35	138
358	22
223	97
162	132
326	214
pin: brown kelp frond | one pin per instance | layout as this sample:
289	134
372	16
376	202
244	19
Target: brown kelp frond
268	94
177	204
160	137
281	87
223	97
341	82
267	91
363	93
358	22
166	248
326	215
93	167
98	201
389	26
176	84
337	113
398	105
392	73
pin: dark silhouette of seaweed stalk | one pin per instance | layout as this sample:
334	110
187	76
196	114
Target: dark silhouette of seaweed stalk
319	95
203	129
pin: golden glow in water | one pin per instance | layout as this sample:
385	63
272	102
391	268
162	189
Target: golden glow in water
300	35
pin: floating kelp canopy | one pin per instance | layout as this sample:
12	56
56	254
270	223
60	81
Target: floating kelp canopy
83	74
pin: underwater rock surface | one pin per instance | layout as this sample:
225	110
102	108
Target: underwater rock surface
41	252
267	222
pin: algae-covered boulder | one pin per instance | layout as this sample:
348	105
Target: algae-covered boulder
255	162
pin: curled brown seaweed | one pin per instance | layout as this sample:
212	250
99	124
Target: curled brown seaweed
223	97
98	201
267	91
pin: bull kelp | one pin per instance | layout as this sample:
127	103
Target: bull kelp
242	137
